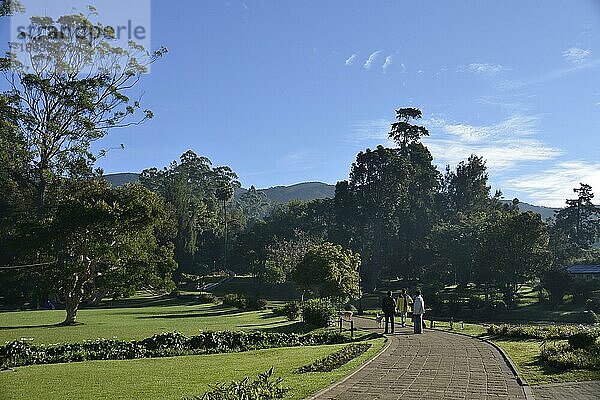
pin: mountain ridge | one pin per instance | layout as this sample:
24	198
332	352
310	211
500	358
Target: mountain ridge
312	190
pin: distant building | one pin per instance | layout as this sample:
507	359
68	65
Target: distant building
585	271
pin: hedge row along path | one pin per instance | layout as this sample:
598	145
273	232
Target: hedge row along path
434	365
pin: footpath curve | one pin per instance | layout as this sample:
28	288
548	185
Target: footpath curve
434	365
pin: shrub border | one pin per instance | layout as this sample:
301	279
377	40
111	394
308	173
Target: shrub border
321	392
331	363
150	349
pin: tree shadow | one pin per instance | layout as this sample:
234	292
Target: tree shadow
10	328
296	327
269	316
155	301
193	315
259	325
376	335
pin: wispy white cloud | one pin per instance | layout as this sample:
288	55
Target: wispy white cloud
504	144
552	75
511	148
550	187
369	132
482	68
371	59
576	55
388	61
350	60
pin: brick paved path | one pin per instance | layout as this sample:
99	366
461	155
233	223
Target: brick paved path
434	365
568	391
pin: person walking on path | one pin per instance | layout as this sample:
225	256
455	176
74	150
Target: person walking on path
388	306
403	302
418	312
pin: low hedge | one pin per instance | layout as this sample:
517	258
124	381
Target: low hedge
24	352
564	357
557	332
337	359
579	347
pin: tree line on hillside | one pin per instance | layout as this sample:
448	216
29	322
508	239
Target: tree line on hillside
67	237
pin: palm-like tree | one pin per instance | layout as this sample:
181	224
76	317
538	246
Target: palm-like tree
224	193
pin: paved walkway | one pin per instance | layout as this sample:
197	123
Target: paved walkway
568	391
434	365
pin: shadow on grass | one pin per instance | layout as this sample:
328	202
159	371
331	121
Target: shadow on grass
158	301
373	335
10	328
269	315
257	326
296	327
183	314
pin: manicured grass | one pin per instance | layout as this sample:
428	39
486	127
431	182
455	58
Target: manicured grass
172	378
139	318
525	354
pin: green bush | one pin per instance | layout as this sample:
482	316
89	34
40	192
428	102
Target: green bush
583	339
337	359
257	304
260	389
207	298
235	300
564	357
24	352
318	312
289	310
535	332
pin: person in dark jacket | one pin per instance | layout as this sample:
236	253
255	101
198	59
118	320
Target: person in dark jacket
388	306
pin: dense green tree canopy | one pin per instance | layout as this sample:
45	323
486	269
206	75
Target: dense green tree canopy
195	191
329	271
580	220
104	239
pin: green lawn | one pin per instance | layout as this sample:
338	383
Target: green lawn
168	378
171	378
136	319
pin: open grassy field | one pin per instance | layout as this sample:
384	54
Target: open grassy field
137	318
158	378
171	378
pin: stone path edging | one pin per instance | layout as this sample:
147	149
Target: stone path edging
341	381
522	381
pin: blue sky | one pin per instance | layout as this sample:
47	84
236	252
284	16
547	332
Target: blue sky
290	91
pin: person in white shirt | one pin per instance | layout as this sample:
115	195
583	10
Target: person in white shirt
418	312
